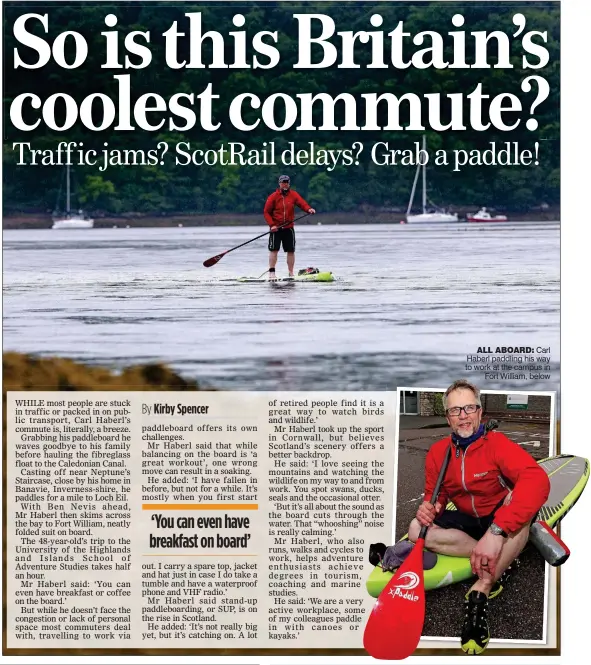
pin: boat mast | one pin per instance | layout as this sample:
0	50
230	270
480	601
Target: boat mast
68	189
414	187
424	176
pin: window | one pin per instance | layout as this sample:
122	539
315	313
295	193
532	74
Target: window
409	402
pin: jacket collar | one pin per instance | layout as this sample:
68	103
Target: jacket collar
463	443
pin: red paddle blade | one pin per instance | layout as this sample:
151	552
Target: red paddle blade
394	627
214	259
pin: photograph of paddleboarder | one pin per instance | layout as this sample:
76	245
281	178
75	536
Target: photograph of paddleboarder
490	530
142	144
491	522
279	215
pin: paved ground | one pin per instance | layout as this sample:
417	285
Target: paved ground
518	612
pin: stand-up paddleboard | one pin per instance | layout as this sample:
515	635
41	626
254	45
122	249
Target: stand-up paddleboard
568	476
312	277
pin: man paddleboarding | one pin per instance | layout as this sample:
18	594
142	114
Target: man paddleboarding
279	215
497	488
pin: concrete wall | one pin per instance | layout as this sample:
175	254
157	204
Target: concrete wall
536	404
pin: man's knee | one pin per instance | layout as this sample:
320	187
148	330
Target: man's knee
521	537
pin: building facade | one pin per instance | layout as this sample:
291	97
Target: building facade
507	406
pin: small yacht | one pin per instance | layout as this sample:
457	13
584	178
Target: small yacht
426	216
71	220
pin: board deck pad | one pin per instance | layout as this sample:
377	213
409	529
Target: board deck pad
311	277
568	477
566	472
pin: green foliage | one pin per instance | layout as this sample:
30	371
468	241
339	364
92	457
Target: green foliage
96	191
438	407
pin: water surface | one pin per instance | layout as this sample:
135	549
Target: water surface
408	304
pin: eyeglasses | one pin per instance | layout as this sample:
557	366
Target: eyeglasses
468	409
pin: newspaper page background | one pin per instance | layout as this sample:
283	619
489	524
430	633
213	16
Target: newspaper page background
574	361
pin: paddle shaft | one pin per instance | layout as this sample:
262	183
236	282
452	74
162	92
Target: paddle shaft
264	234
214	259
423	531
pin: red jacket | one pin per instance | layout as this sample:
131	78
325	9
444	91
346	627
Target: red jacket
478	478
280	208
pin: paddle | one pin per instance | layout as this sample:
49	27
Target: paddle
394	627
214	259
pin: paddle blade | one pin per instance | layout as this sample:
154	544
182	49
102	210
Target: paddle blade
214	259
394	627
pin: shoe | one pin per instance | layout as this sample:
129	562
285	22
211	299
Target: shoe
475	633
376	553
497	589
501	583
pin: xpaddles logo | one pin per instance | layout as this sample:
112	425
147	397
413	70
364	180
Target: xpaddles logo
407	581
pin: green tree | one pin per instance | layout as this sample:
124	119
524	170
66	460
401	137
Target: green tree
96	192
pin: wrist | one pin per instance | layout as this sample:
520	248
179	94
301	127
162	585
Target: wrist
497	531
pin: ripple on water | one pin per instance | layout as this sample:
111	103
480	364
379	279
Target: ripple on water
408	316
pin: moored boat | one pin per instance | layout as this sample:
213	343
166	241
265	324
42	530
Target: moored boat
432	217
483	215
71	220
436	215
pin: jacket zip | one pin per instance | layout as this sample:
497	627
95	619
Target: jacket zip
464	484
284	211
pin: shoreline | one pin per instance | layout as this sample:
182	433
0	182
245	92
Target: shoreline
40	221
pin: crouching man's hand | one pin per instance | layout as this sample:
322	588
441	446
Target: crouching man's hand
485	555
427	512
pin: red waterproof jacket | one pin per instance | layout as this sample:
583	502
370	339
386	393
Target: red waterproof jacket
280	208
479	477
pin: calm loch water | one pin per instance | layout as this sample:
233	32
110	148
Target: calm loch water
408	304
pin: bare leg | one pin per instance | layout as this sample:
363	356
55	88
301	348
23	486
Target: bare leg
272	261
452	542
290	262
511	549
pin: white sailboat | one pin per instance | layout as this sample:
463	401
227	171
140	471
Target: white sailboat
71	220
426	217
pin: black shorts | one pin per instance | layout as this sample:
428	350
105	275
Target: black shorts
475	527
285	237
